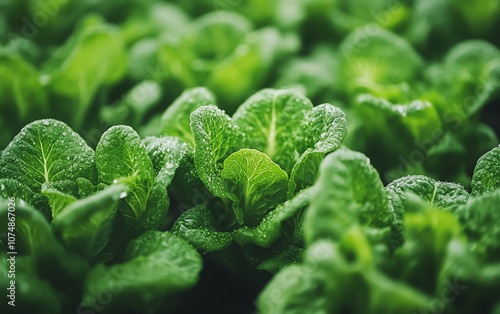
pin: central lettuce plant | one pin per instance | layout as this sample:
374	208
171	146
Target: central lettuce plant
257	166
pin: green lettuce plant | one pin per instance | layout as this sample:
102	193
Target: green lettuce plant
87	222
257	166
442	231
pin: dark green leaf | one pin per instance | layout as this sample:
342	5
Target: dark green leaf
156	264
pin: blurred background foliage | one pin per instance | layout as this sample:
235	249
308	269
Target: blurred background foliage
418	79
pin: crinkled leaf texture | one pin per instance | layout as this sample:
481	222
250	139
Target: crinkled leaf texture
321	132
486	177
167	154
216	137
156	264
445	195
13	188
47	151
276	127
121	156
197	226
269	118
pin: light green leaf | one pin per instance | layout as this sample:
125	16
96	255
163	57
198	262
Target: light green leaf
486	177
294	290
428	232
418	118
305	171
463	270
216	137
197	226
212	35
473	73
20	88
269	118
321	132
156	264
323	129
175	120
166	152
377	61
445	195
133	107
257	181
96	58
120	156
47	151
86	225
348	192
246	67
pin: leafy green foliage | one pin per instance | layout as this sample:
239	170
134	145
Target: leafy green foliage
155	262
322	132
479	217
197	226
268	118
355	194
121	155
86	225
486	176
246	163
89	194
46	159
445	195
176	119
39	155
258	183
23	95
216	137
36	240
93	47
134	106
39	294
379	62
202	126
271	226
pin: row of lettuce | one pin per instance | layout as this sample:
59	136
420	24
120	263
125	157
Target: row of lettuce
269	189
427	82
